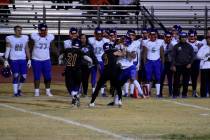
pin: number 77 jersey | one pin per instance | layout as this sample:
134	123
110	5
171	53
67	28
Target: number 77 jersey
41	49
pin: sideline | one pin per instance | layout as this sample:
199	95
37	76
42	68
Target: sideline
188	105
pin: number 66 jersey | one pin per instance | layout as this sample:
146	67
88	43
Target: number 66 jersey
41	50
17	45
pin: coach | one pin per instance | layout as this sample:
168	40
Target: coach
182	59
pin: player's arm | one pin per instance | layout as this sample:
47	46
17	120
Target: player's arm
54	48
28	55
87	58
92	55
7	52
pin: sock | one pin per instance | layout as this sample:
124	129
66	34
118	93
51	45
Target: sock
36	90
20	86
73	93
116	100
131	89
123	92
93	89
102	90
47	90
126	85
136	83
148	88
15	88
157	89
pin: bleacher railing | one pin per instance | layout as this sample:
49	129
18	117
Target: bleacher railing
87	17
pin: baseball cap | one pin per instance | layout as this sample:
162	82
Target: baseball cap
167	34
113	32
183	34
98	30
73	30
153	31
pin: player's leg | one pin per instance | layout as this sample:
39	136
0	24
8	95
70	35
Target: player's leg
76	82
36	66
85	79
102	80
170	80
133	80
46	70
157	71
93	77
23	75
15	68
176	84
163	74
67	80
194	76
186	77
101	70
148	72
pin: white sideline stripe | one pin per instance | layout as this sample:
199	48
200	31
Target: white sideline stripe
188	105
67	121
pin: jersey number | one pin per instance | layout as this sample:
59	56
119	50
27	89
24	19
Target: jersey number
18	47
71	59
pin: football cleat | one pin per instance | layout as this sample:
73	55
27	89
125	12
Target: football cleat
195	94
49	94
110	104
120	103
37	94
91	105
19	93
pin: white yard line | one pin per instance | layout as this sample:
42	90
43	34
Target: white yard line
188	105
68	121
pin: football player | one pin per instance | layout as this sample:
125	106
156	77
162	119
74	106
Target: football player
15	57
73	57
97	43
153	60
41	64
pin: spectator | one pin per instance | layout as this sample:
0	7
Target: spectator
124	4
183	57
168	47
4	9
204	55
86	67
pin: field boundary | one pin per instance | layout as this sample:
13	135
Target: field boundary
188	105
68	121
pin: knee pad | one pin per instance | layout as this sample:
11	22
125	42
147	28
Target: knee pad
22	78
15	78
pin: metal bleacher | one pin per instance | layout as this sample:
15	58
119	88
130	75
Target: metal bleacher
146	13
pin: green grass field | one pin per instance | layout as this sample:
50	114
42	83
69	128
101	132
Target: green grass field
53	118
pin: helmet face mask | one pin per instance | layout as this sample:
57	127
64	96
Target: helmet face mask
6	72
